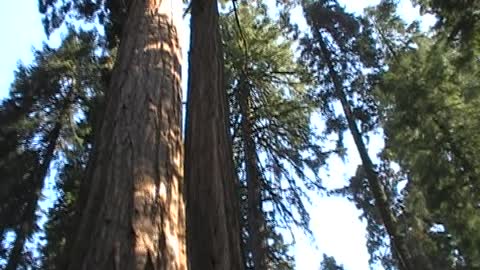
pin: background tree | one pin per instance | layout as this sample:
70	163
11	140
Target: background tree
62	216
273	141
329	263
459	21
339	51
432	102
43	115
429	242
390	35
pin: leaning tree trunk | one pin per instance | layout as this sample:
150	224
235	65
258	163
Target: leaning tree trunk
255	218
27	226
213	229
134	212
378	191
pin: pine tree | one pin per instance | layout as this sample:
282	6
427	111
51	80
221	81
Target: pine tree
427	236
272	138
339	51
392	36
458	21
431	101
40	114
329	263
62	216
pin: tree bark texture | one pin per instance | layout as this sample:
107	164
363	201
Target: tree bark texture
213	228
378	191
256	220
134	212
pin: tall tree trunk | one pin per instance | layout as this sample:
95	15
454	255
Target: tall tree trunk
213	229
255	219
378	191
134	213
27	225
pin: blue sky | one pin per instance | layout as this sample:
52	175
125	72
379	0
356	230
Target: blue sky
335	224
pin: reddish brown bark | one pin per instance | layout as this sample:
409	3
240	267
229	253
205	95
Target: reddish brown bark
213	230
134	212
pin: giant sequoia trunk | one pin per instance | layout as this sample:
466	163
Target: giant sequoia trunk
134	212
213	230
256	220
378	191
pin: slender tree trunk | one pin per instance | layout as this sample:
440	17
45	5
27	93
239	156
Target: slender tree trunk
213	229
134	212
419	258
378	191
255	219
27	226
